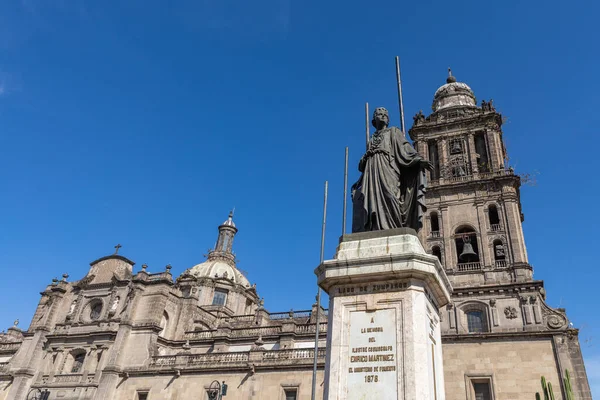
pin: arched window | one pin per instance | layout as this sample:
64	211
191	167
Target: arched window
467	248
494	218
437	252
499	254
78	359
476	321
435	224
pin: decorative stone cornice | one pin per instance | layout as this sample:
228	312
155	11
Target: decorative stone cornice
475	291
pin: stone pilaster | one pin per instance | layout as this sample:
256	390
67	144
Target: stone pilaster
472	154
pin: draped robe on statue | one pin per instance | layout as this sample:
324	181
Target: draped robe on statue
391	190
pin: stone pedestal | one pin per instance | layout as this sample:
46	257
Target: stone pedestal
384	338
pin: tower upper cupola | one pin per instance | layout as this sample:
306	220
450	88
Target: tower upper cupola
453	94
227	231
221	260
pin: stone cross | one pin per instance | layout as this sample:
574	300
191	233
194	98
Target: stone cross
117	247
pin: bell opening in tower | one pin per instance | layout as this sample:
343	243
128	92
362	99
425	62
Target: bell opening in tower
467	247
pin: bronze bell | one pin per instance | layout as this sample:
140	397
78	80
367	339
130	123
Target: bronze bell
456	147
468	254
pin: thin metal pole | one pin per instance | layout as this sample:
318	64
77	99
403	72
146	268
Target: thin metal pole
367	123
400	102
345	193
317	326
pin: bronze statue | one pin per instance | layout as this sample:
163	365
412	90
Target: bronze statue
391	190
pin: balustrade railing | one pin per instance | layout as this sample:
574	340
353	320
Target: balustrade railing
472	266
163	361
436	234
215	358
460	178
68	378
501	264
199	335
241	358
480	175
242	318
279	315
310	328
258	331
292	354
495	227
9	346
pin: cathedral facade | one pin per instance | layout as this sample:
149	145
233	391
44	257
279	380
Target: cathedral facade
125	335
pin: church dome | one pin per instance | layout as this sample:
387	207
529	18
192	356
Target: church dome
453	94
214	269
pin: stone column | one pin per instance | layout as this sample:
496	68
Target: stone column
513	218
384	337
483	236
448	236
473	155
443	156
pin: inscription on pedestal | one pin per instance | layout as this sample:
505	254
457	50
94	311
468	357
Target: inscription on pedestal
372	364
369	288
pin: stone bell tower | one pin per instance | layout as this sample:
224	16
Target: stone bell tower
474	211
497	313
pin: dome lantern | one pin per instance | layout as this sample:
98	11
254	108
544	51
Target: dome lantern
453	94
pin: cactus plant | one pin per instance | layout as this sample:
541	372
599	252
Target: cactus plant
549	394
568	387
547	388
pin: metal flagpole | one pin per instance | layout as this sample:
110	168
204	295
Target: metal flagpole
345	193
314	377
367	123
400	103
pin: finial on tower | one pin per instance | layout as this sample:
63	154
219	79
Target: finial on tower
117	247
451	78
229	221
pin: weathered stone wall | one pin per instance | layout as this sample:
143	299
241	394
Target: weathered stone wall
515	367
241	386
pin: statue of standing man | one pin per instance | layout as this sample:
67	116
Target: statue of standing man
391	190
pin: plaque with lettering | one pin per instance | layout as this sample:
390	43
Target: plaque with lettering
372	364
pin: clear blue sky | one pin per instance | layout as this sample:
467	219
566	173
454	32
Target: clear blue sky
138	123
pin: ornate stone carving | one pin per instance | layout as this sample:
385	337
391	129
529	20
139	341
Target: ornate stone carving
86	281
128	297
555	319
555	322
419	118
71	309
114	305
510	312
